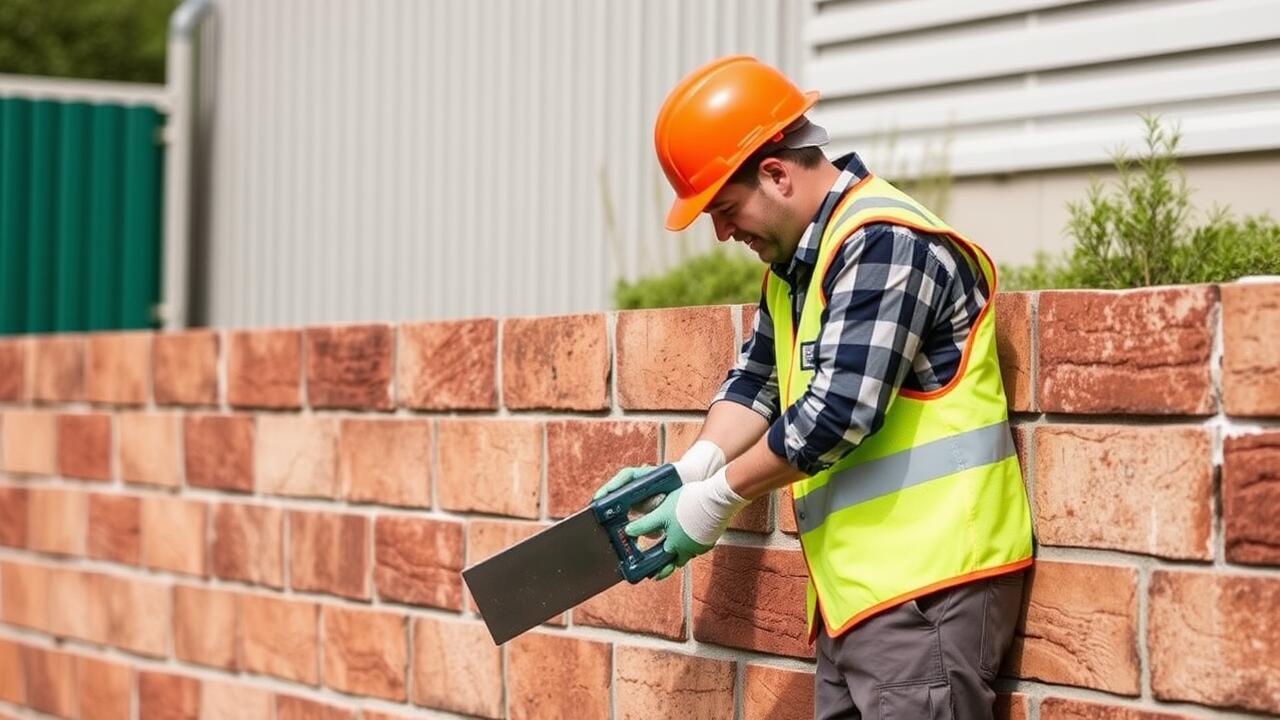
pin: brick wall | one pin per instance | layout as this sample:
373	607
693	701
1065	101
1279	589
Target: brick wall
248	523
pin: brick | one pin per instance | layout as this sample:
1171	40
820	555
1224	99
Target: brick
365	652
226	701
419	561
205	623
1250	370
72	610
24	595
1012	706
186	367
1013	344
655	608
772	693
51	681
1163	505
329	553
751	598
30	442
555	363
137	613
280	637
673	359
1250	494
12	680
1080	627
486	538
1212	640
492	466
220	451
374	715
106	690
1139	352
349	366
118	368
448	365
557	676
162	696
173	534
456	667
57	520
248	544
656	683
264	368
149	448
57	373
13	516
84	445
755	517
15	380
1056	708
114	528
583	454
385	461
295	708
296	455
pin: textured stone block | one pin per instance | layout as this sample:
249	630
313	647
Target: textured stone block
771	693
280	637
656	683
186	367
385	461
57	373
13	516
350	366
1250	497
294	708
1250	367
583	454
228	701
1013	344
264	368
419	561
173	534
118	368
71	607
557	676
57	520
365	652
329	553
148	448
15	380
297	455
751	598
490	466
456	667
673	359
1012	706
168	697
24	595
115	523
655	608
248	544
448	365
557	363
205	623
136	613
1056	708
30	442
51	681
12	681
84	445
220	451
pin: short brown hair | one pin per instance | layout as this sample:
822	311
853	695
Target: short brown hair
749	172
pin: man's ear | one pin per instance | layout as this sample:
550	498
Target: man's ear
776	173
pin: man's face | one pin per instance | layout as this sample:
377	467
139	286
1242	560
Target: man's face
755	217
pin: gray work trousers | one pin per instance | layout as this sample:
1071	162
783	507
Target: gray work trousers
932	658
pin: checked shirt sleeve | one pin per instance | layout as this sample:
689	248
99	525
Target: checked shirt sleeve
753	381
885	292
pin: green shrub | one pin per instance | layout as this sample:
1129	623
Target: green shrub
714	278
1138	232
100	39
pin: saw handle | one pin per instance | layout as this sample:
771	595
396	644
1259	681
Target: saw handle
612	512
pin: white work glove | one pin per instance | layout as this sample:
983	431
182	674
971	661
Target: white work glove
691	519
699	462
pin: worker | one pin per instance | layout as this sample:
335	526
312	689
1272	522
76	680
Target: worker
869	386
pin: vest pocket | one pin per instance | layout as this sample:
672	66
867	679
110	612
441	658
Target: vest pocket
928	700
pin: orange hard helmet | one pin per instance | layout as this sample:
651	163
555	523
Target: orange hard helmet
713	120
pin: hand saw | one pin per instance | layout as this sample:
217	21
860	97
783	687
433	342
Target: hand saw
577	558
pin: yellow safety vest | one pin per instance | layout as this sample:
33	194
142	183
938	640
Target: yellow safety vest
935	497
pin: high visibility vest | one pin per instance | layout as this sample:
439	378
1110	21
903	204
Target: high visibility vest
935	497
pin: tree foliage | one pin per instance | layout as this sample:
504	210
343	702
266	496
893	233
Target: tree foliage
98	39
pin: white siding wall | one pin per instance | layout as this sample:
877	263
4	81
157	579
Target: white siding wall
402	159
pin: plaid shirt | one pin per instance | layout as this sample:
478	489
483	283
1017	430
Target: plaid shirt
900	307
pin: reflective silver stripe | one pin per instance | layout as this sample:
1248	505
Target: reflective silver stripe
870	202
904	469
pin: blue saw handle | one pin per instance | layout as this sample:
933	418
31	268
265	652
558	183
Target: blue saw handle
612	510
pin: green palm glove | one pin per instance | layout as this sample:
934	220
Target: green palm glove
676	541
624	476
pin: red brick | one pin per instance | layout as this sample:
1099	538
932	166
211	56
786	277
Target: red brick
15	380
173	536
30	442
168	697
84	446
1250	370
264	368
186	368
57	373
673	359
280	637
448	365
137	613
656	608
557	676
365	652
1080	627
656	683
1012	706
24	595
1213	639
1013	343
13	516
1250	495
51	681
297	455
219	451
73	613
12	680
756	517
57	520
106	690
583	454
118	368
486	538
329	553
114	528
225	701
419	561
349	366
294	708
771	693
149	448
1140	351
490	466
386	461
248	544
1161	506
751	598
456	667
1055	708
374	715
557	363
204	626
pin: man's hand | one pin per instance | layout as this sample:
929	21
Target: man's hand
692	519
697	464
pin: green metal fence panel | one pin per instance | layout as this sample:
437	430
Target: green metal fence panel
41	220
107	134
72	311
15	141
141	241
